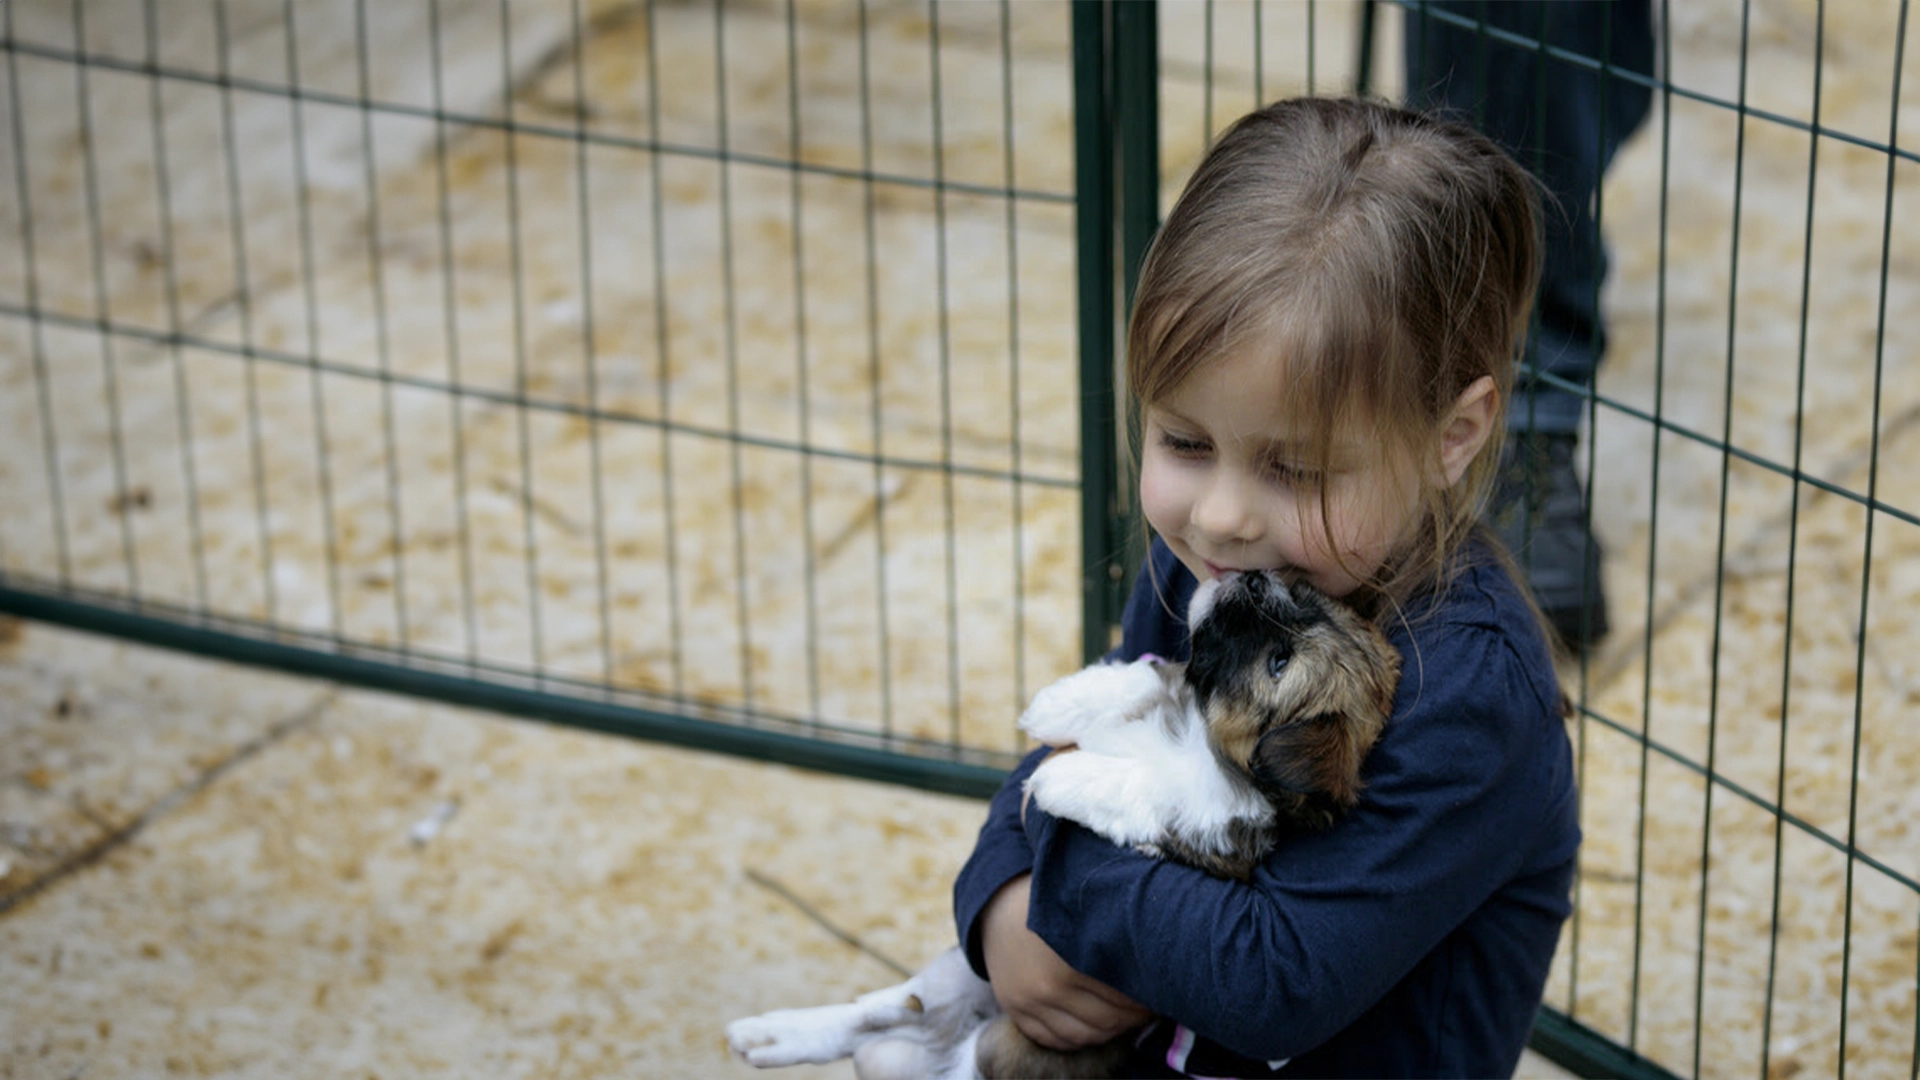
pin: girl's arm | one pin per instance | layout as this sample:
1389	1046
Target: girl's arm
1000	855
1461	790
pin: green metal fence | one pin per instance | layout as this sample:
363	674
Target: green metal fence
740	375
554	357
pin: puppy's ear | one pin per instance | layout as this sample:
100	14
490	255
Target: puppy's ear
1309	769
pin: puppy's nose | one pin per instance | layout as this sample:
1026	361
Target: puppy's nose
1267	583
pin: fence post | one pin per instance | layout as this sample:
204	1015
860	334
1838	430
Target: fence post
1101	547
1137	130
1117	181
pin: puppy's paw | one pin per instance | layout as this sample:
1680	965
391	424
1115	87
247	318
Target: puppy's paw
824	1033
1065	711
1115	797
796	1036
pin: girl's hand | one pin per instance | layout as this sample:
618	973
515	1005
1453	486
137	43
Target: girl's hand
1052	1004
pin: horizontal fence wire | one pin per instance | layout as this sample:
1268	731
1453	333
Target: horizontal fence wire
576	409
153	70
764	735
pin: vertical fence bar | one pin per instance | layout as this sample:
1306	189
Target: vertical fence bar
30	276
1793	524
1017	487
1590	594
377	285
1136	81
1653	561
1206	88
1536	164
803	394
589	359
102	308
1259	54
237	229
1715	654
1866	546
1594	343
870	215
302	192
731	334
1363	63
1100	546
1312	43
170	283
663	368
450	302
943	308
515	261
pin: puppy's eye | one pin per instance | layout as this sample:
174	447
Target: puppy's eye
1277	662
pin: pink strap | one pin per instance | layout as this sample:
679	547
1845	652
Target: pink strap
1182	1045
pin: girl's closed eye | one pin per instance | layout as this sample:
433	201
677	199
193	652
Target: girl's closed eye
1181	445
1293	474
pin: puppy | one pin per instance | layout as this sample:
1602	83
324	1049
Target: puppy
1206	763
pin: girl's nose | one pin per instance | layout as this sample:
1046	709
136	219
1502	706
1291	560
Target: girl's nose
1228	510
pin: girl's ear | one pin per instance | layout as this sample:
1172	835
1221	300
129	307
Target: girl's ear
1467	427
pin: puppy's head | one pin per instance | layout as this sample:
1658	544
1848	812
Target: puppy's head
1296	688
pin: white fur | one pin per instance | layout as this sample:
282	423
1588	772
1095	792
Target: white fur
1201	603
1143	766
887	1038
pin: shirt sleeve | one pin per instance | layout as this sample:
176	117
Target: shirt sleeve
1469	765
999	855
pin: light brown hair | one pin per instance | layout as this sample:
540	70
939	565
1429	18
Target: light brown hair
1389	256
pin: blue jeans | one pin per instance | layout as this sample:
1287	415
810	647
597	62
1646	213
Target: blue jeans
1564	122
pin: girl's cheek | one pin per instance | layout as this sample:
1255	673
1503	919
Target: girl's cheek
1159	495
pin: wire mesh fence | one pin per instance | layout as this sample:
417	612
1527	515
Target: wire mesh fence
716	354
1747	903
721	363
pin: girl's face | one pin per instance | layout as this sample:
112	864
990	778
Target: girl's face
1228	483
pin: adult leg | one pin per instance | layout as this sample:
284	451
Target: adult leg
1564	120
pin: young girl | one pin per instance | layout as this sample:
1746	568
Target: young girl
1322	345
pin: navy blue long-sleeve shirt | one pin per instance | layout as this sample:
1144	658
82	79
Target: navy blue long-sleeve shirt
1411	939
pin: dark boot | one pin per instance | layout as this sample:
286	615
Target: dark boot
1540	511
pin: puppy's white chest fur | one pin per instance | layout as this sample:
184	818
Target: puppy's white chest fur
1143	768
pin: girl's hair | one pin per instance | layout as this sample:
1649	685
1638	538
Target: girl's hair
1389	256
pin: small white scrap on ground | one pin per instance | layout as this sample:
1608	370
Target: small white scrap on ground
429	827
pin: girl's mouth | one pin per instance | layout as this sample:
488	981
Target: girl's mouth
1215	570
